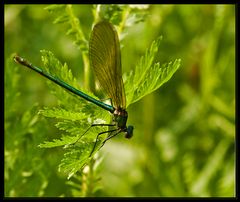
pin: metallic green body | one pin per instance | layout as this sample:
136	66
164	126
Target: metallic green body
58	81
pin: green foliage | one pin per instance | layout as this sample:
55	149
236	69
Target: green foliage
77	158
121	15
11	79
64	14
149	75
20	143
22	133
113	13
72	115
63	114
88	179
184	133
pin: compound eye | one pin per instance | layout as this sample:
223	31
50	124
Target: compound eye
129	132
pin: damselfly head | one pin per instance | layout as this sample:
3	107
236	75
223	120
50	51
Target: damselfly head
129	132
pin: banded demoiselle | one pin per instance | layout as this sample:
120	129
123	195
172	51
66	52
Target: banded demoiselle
105	59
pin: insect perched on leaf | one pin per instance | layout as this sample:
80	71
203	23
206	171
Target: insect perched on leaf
105	59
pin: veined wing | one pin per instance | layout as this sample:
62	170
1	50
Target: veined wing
105	59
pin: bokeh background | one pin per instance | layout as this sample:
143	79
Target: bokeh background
184	137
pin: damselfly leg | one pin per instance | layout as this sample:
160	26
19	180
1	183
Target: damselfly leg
94	125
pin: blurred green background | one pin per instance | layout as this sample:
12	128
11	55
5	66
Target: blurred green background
184	137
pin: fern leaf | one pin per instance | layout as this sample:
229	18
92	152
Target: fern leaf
65	140
71	163
55	8
61	113
77	158
61	19
146	62
11	84
64	14
76	128
56	68
148	76
120	15
71	31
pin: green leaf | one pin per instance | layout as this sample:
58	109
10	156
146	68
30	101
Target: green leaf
76	128
56	8
22	131
77	158
65	140
111	12
57	69
148	76
61	19
64	14
11	84
120	15
61	113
